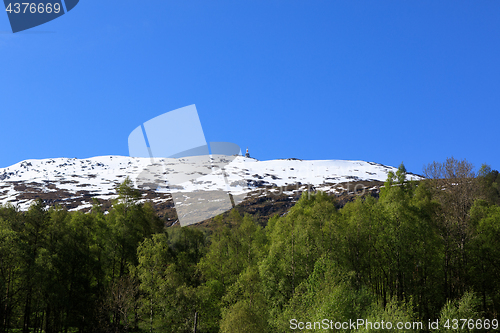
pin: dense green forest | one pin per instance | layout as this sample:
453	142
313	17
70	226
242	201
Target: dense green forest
427	250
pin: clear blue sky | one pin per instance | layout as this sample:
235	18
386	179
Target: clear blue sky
378	80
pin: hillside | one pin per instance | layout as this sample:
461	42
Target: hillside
72	183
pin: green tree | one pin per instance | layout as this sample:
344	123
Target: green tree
9	273
453	184
467	307
129	222
33	233
484	265
243	317
489	182
231	251
296	241
328	292
394	312
246	307
166	272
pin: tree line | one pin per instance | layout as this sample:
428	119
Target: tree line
426	250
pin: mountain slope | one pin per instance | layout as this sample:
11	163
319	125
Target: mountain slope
72	182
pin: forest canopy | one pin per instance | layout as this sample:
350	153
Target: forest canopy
426	250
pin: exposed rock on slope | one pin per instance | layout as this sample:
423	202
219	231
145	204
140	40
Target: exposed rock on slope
72	183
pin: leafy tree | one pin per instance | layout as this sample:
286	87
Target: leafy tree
243	317
328	292
33	235
407	242
296	241
454	185
489	182
231	252
9	273
484	267
130	223
467	307
393	312
246	306
165	272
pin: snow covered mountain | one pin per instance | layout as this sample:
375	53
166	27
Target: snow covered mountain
73	183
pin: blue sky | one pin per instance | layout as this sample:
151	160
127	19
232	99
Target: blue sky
382	81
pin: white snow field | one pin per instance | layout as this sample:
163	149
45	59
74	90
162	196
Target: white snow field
99	176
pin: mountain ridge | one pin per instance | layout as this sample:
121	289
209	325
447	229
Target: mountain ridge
73	183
